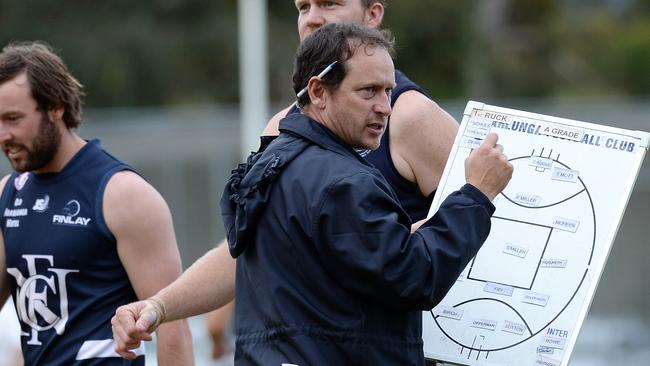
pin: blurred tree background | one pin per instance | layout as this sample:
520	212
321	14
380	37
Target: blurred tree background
155	52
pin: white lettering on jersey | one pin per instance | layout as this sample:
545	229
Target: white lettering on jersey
70	211
68	220
16	212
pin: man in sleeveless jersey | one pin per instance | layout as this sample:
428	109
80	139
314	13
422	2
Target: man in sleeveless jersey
82	233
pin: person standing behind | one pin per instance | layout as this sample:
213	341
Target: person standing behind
415	147
328	271
82	233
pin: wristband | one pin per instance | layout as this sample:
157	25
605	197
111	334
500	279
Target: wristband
159	308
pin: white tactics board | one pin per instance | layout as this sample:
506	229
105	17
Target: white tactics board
522	300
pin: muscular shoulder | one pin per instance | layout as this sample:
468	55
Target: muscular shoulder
416	109
127	184
421	136
127	196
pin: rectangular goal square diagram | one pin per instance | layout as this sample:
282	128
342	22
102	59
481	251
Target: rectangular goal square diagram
523	298
520	254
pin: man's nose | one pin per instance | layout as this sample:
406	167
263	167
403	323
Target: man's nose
382	106
315	19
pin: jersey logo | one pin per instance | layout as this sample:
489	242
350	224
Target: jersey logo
69	217
19	181
42	204
33	300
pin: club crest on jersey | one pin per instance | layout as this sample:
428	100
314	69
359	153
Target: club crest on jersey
69	217
37	293
19	181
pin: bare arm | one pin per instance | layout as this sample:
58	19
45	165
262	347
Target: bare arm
140	220
4	280
421	137
209	283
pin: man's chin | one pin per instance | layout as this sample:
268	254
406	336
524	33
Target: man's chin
19	166
367	145
374	145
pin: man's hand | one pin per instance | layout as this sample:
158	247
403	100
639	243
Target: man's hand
487	168
134	323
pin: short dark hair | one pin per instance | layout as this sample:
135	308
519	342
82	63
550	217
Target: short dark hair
51	83
329	43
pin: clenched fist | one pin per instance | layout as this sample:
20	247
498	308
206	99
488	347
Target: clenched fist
134	323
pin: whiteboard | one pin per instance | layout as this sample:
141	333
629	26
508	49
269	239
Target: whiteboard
523	298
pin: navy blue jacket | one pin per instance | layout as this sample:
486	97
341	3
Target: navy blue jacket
328	272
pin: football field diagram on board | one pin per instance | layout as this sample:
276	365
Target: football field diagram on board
523	298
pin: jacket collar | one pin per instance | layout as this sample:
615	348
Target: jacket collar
302	126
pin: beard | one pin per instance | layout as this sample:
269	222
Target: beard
45	146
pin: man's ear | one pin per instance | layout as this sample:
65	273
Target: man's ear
374	15
317	92
56	113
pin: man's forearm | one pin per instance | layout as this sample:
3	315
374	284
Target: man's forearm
207	285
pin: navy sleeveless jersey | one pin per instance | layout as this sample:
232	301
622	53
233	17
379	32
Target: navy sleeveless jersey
64	271
411	199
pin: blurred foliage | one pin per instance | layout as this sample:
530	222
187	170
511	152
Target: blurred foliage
136	52
432	37
522	48
154	52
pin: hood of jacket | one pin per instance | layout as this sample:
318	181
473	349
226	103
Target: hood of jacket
247	191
